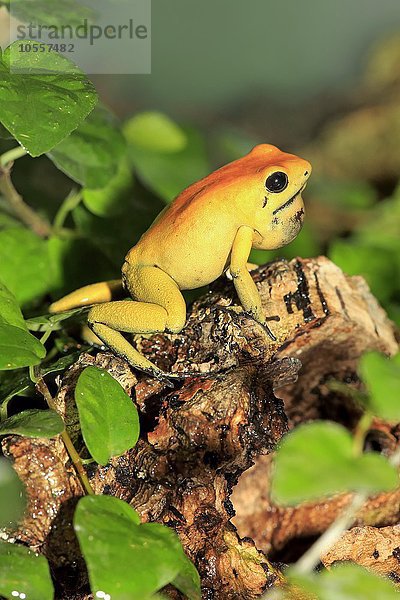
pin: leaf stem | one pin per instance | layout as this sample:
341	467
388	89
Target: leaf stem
74	456
360	432
69	203
12	155
34	372
24	212
312	557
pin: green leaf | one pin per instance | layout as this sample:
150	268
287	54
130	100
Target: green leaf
92	154
128	560
12	495
345	581
64	361
382	378
13	383
43	99
33	423
24	572
317	459
24	264
167	174
187	580
60	13
374	263
54	322
156	132
110	200
10	312
108	417
18	347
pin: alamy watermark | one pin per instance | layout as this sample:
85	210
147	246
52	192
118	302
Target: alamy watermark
103	36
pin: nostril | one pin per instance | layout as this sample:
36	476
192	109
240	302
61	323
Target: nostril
305	174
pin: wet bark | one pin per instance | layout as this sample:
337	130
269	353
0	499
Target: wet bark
199	440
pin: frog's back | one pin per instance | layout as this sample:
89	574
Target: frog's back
189	241
191	238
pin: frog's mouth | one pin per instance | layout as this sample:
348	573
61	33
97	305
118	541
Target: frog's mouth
290	201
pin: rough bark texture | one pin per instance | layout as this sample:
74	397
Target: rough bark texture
198	438
373	548
284	533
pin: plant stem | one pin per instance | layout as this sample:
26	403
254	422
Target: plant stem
44	390
34	372
12	155
70	202
24	212
360	432
312	557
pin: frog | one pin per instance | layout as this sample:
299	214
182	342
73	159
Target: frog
209	229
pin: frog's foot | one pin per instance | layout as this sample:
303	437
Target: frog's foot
264	325
171	378
108	320
236	311
168	379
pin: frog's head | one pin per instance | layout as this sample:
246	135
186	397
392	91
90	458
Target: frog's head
276	181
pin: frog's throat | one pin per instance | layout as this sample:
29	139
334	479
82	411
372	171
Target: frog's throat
289	202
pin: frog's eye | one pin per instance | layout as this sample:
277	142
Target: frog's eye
277	182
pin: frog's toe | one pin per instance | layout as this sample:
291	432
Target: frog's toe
269	332
263	324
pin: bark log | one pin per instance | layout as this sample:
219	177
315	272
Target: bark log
198	438
373	548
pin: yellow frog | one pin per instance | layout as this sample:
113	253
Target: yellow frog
211	227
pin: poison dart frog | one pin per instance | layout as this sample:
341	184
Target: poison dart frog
211	227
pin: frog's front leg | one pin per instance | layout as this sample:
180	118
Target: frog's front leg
158	306
244	284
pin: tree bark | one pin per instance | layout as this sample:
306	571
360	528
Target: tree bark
200	437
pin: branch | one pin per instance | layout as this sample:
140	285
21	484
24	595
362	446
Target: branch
24	212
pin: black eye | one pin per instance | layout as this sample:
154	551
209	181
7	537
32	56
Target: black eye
277	182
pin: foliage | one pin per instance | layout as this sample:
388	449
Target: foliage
114	543
108	417
18	348
116	180
345	581
12	495
33	423
382	378
42	109
318	459
25	573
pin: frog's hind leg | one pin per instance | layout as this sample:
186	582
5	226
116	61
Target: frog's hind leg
107	320
105	291
158	306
